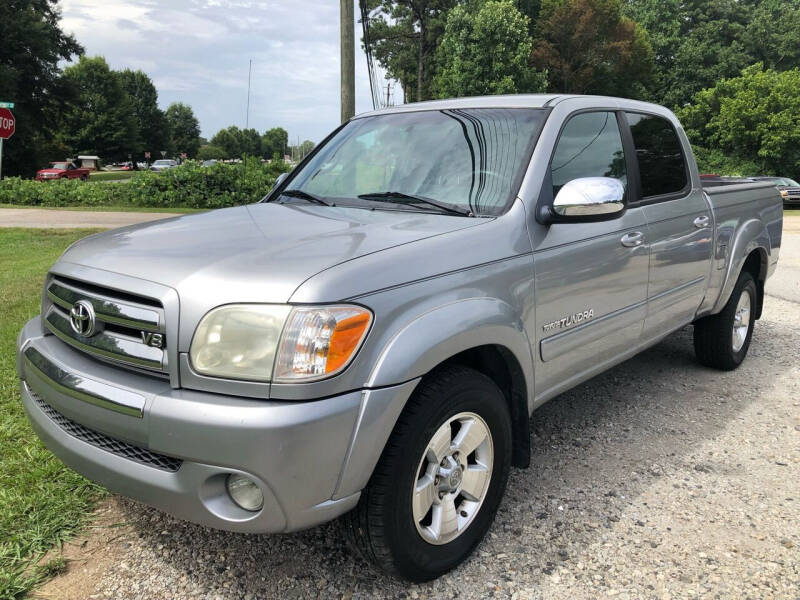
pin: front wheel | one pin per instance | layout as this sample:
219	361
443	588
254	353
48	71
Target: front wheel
721	341
438	484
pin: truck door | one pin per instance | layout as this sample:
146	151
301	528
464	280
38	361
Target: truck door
591	277
679	219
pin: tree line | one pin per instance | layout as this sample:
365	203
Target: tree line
698	57
89	108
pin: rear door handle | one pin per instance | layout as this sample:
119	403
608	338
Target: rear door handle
632	240
701	222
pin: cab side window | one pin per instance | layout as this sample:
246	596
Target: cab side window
590	146
662	166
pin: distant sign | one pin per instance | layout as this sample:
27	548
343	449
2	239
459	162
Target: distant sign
6	105
183	154
147	155
7	124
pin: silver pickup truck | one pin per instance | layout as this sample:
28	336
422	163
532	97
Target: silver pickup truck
371	339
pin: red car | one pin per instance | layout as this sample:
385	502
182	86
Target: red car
62	170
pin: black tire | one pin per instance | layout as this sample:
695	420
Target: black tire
84	178
382	527
714	336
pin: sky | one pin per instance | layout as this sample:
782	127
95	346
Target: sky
197	52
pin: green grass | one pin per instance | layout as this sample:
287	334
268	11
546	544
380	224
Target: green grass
41	501
137	209
110	175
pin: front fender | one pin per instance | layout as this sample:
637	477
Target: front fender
443	332
751	236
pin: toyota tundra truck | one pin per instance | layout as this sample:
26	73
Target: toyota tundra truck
370	340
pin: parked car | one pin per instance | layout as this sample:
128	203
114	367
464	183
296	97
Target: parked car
371	339
163	164
208	163
62	170
789	189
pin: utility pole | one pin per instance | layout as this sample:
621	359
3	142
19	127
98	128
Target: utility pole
348	59
247	117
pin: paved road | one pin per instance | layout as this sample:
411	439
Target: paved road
658	479
70	219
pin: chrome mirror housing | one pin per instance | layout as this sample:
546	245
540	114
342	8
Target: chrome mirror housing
590	197
279	180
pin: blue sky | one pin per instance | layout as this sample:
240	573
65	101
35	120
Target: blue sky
197	52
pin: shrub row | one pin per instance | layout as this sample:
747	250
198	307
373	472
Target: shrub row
187	186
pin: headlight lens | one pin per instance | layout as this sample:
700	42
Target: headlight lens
319	342
238	341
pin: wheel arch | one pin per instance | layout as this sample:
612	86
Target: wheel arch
750	250
483	333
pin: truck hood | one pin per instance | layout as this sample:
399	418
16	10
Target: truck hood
254	253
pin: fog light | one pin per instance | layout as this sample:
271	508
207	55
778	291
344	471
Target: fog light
245	492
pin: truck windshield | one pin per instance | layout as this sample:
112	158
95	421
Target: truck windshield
471	160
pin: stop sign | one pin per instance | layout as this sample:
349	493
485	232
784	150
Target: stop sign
7	124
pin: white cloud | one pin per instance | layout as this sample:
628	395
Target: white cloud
197	52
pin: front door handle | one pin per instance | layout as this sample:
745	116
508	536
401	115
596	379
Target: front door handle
632	240
701	222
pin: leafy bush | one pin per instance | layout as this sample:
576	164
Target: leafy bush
187	186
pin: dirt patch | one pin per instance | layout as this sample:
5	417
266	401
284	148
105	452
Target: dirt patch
90	555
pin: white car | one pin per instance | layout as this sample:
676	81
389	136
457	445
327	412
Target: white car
163	164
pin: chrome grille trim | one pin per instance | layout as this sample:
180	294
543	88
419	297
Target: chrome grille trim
103	441
105	344
122	319
107	309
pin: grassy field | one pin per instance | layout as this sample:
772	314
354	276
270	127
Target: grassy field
110	175
142	209
41	501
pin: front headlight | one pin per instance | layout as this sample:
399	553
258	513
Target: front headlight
240	341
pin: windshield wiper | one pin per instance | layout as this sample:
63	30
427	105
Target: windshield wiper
306	196
399	197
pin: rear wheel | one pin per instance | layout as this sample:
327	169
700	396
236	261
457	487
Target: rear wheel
721	341
438	484
84	178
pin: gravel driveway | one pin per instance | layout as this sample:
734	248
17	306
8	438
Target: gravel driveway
658	479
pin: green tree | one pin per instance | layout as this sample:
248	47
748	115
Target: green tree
210	151
31	46
590	47
184	127
751	120
274	142
700	42
101	120
486	52
229	140
405	35
151	123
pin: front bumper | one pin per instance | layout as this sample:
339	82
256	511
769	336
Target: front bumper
310	459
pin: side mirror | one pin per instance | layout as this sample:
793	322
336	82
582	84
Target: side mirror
590	198
280	180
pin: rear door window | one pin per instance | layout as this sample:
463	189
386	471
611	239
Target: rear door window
590	146
662	165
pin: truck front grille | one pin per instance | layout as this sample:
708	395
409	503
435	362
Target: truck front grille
106	442
125	329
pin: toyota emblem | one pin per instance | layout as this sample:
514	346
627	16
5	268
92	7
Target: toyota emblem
82	318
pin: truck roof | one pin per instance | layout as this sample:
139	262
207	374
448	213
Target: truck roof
516	101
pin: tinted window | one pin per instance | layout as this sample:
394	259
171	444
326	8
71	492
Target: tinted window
590	146
661	164
470	158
